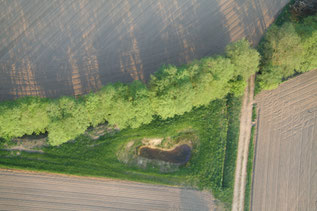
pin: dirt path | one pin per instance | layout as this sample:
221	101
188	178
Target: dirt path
243	147
23	190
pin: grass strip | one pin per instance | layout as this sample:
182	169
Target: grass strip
247	197
211	166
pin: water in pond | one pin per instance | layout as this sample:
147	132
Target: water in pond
180	154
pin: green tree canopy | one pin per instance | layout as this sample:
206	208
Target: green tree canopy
245	59
171	91
288	49
24	116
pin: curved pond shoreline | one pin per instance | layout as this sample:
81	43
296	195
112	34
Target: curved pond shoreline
178	155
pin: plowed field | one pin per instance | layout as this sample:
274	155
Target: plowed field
55	47
36	191
285	174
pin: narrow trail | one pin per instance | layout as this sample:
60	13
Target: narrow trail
243	147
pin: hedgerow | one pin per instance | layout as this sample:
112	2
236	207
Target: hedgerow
171	91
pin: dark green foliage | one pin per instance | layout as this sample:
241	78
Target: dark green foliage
215	143
286	50
171	91
233	115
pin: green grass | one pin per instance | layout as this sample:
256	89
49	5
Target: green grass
234	106
247	198
253	113
211	166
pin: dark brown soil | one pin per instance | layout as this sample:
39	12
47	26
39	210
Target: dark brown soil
53	48
180	154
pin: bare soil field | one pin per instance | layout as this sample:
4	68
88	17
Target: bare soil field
20	190
51	48
285	172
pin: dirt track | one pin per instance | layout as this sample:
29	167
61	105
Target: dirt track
243	147
38	191
285	172
55	47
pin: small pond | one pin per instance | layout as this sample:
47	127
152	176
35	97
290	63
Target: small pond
179	155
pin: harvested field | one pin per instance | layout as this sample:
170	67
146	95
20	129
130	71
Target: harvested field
285	173
35	191
53	48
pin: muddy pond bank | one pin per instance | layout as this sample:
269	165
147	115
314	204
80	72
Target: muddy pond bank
178	155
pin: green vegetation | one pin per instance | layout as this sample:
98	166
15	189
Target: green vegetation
287	49
171	91
203	96
247	198
211	166
231	146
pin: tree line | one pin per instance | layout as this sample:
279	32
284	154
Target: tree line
286	50
170	91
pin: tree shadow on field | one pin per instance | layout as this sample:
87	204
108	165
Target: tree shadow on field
249	18
55	48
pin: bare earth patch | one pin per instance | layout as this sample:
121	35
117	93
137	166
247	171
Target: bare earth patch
153	142
96	132
28	143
